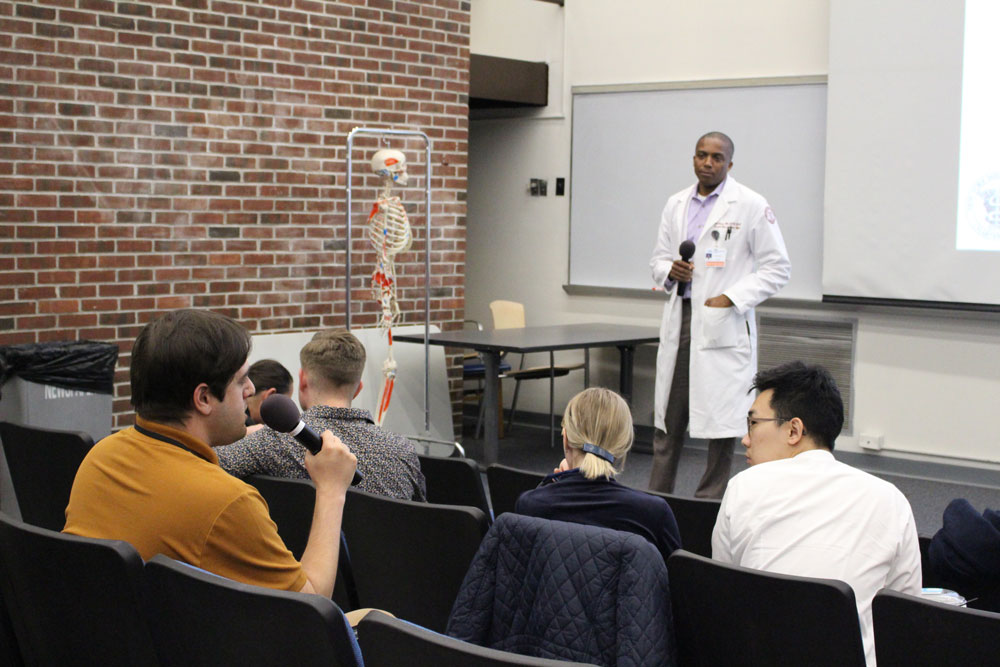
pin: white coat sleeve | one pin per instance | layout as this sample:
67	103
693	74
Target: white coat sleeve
664	252
772	266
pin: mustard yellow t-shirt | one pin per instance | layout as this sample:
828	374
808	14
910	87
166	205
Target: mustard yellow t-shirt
163	498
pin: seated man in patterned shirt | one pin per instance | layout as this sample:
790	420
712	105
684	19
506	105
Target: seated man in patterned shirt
330	378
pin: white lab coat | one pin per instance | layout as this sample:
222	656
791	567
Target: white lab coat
723	340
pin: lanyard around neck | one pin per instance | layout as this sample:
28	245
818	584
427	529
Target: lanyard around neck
167	439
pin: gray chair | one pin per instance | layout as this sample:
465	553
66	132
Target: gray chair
43	464
73	600
729	615
390	642
409	558
454	481
913	631
199	618
507	484
290	502
695	520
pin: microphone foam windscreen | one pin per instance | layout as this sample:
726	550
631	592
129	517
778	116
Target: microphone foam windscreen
280	413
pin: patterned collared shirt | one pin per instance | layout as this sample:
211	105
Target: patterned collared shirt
388	461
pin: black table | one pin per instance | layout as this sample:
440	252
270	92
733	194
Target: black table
490	344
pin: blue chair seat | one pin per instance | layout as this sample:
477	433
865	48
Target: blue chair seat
475	368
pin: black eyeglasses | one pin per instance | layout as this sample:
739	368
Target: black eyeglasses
753	421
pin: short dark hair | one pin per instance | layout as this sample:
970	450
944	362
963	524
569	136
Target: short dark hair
270	374
807	392
175	353
721	137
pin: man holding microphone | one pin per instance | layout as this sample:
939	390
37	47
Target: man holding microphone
733	257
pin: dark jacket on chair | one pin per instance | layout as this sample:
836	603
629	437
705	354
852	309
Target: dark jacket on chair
965	553
567	591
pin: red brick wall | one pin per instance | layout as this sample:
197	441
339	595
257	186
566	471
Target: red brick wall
192	153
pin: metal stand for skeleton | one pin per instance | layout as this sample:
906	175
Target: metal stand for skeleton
390	234
384	134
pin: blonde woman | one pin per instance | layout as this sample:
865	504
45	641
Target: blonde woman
597	435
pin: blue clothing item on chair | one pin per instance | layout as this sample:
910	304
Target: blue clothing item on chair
569	496
567	591
965	553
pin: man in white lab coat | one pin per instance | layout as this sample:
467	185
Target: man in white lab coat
708	336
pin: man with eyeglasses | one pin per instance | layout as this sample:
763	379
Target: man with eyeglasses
799	511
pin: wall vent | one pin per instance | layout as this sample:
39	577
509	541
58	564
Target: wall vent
829	343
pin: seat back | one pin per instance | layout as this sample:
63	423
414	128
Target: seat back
928	575
10	652
507	314
911	631
568	591
290	502
389	642
695	520
74	599
507	484
43	463
454	481
199	618
409	558
729	615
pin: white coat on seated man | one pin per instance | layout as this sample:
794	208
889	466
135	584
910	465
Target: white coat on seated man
799	511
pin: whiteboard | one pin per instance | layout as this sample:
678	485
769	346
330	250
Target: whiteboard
632	148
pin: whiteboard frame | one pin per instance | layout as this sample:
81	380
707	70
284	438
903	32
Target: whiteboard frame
584	289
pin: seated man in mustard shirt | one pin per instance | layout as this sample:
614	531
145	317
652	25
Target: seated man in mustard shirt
158	484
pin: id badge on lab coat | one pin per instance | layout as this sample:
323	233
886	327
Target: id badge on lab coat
715	258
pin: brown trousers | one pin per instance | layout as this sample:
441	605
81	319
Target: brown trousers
667	446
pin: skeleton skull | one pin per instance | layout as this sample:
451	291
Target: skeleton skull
390	164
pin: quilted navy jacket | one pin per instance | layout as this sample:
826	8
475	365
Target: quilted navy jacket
567	591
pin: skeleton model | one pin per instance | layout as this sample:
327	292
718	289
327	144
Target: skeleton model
389	231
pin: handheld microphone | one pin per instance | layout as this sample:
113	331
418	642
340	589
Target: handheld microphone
279	413
687	252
